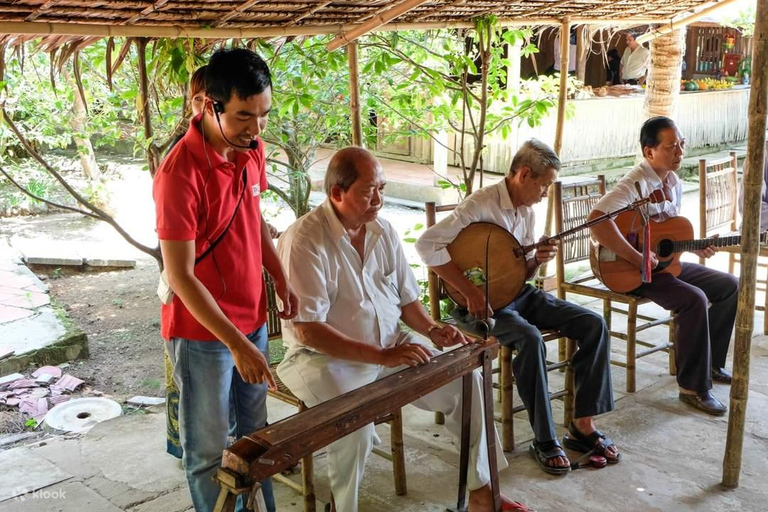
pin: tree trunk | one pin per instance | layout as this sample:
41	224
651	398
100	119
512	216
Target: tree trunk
83	143
663	84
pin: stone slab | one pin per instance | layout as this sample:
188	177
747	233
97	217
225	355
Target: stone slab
174	501
64	451
10	314
145	400
18	476
134	440
110	262
67	496
53	261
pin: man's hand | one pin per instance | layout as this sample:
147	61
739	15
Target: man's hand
654	260
476	303
289	299
707	252
410	354
448	336
252	365
545	252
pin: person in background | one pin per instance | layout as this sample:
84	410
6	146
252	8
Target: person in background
572	58
634	62
613	70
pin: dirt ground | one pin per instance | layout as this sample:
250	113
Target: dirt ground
119	312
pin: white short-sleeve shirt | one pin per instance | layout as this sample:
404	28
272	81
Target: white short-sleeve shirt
635	63
625	192
489	204
361	299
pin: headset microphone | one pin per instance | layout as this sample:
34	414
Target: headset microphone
218	107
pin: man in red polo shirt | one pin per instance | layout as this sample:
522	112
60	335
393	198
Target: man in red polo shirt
214	244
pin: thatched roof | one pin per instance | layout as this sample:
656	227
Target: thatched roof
255	18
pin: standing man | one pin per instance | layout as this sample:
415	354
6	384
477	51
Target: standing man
634	62
355	286
509	204
703	300
214	244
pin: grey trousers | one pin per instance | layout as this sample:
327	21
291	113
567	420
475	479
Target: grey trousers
517	327
702	332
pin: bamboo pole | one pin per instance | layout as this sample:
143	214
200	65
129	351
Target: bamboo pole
583	47
674	25
169	30
375	22
565	41
749	250
354	95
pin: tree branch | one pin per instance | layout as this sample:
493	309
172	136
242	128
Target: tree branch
46	201
99	213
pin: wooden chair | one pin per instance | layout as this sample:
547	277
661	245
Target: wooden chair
395	420
573	203
718	200
506	381
718	214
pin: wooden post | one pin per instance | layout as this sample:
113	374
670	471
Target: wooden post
141	47
354	95
583	47
750	231
565	41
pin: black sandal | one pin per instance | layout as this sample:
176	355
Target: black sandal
542	452
597	441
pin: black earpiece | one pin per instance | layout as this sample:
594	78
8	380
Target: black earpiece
218	107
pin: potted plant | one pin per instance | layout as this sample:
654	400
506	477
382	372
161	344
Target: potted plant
745	69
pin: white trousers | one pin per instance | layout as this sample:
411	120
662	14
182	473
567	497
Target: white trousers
315	378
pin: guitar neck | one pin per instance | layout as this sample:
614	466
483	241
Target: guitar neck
703	243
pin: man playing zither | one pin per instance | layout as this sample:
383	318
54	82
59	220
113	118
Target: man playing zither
508	204
702	332
354	286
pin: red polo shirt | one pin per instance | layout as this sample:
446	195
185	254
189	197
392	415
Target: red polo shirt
195	198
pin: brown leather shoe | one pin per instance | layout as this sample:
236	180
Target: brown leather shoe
705	402
721	375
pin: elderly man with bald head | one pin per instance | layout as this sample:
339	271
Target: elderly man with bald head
354	286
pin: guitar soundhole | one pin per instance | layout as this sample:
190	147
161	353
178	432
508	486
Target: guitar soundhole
664	249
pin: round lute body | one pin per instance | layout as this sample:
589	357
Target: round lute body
504	256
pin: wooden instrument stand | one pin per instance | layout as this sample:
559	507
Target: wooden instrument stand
268	451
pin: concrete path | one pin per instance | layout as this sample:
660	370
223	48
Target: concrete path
32	330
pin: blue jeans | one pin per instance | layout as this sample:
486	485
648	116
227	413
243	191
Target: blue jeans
215	401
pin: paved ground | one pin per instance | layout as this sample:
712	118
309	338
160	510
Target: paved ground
671	462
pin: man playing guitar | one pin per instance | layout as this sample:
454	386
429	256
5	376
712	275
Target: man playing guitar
508	204
702	332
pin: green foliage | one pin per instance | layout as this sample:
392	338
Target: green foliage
426	82
744	20
310	108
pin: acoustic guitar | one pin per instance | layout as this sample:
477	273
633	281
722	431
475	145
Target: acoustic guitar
670	237
494	261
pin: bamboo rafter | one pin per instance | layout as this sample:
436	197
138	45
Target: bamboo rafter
237	10
147	11
308	13
40	10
